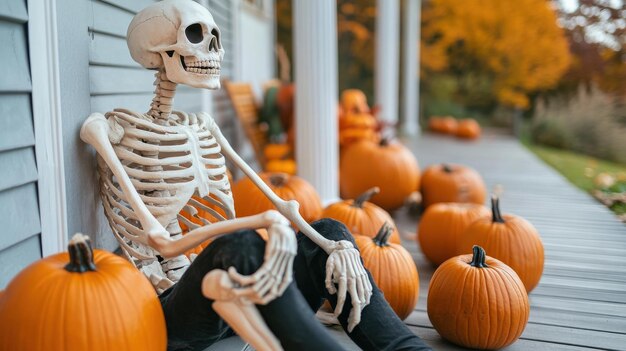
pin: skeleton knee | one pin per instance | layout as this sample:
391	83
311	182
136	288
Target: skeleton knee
332	229
243	250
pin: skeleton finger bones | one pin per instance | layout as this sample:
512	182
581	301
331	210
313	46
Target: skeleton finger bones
275	274
346	275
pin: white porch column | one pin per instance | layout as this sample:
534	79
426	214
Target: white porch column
387	58
315	48
410	67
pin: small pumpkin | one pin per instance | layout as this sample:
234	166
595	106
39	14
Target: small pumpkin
441	226
249	200
388	165
452	183
354	101
434	124
361	216
288	166
509	238
468	129
477	301
276	151
449	125
392	268
82	300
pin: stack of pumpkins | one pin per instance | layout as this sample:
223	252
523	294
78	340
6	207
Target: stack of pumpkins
356	121
454	232
279	158
466	128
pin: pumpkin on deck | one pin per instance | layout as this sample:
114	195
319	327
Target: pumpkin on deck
477	301
509	238
441	227
85	300
392	268
452	183
388	165
468	129
362	217
249	200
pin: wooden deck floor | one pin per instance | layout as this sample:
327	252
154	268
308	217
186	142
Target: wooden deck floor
580	303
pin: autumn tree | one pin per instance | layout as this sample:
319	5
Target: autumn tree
500	50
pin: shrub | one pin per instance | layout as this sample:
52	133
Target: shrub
588	122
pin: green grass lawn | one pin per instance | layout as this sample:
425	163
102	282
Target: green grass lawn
581	169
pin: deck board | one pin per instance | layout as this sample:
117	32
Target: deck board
580	302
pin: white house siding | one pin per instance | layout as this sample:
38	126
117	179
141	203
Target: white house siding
20	240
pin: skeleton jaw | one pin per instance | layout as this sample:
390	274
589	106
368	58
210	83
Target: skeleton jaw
192	71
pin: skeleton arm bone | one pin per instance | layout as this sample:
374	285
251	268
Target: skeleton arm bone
343	266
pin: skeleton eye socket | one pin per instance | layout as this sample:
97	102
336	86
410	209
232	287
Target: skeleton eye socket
194	33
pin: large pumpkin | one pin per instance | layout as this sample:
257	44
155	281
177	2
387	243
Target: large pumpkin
452	183
361	216
442	225
477	302
509	238
388	165
81	300
468	129
392	268
249	200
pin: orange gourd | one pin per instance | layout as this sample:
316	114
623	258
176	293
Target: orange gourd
441	227
354	101
361	216
452	183
82	300
392	269
509	238
288	166
249	200
387	165
468	129
434	124
477	301
448	125
276	151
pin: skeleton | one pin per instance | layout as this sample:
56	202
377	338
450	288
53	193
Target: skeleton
153	165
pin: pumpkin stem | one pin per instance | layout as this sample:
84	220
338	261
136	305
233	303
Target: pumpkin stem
446	168
384	141
384	233
478	257
278	179
496	215
81	254
358	202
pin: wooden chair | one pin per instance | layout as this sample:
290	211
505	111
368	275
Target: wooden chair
242	97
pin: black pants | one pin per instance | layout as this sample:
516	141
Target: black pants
193	325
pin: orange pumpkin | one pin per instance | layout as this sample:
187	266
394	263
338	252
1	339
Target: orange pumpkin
388	165
452	183
249	200
509	238
448	125
354	101
468	129
288	166
477	302
82	300
442	225
392	268
361	216
276	151
434	124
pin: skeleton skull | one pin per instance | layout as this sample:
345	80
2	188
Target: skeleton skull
181	37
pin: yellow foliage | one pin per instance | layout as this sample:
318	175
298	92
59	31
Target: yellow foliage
516	43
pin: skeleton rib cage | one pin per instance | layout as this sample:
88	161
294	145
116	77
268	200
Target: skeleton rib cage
171	163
